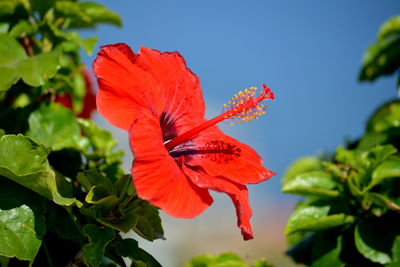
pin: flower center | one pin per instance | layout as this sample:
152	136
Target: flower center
243	107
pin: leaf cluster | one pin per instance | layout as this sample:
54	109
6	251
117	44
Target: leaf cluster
381	58
350	214
227	259
64	199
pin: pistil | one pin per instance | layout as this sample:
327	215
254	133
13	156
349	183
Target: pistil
244	107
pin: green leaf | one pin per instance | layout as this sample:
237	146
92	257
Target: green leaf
101	141
395	253
201	260
123	223
382	201
374	240
18	236
100	195
302	165
129	248
72	36
15	64
100	14
8	7
326	251
390	28
36	70
56	127
149	225
90	178
99	238
315	183
390	168
11	52
4	26
26	163
261	263
21	29
386	117
227	259
71	9
315	218
380	59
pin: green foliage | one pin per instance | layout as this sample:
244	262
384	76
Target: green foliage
18	230
64	198
227	259
381	58
350	214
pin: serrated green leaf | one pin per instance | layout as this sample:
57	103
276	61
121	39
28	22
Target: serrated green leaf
99	238
302	165
315	218
374	240
56	127
315	183
129	248
18	236
390	28
26	163
380	59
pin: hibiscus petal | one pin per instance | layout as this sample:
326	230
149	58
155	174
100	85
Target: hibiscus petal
237	192
181	90
124	88
221	155
157	176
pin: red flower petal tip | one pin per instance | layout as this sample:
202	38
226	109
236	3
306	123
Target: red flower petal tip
179	155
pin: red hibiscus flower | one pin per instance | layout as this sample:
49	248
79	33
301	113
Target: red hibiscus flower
179	155
89	101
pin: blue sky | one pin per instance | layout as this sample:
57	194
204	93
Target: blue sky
308	52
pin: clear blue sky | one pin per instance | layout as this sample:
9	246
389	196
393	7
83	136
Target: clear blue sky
308	52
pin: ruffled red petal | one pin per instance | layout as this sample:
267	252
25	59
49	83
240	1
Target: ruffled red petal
221	155
124	88
158	81
237	192
181	92
157	176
